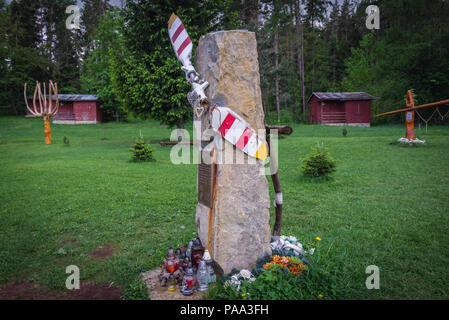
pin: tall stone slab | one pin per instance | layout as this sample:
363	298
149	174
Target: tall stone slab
239	231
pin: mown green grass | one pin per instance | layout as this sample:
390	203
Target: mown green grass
386	205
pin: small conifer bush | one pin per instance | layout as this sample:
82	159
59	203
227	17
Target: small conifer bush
141	151
318	164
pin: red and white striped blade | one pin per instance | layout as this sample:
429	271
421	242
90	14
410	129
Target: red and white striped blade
235	130
179	38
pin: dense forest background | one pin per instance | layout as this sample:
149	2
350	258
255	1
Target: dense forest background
123	53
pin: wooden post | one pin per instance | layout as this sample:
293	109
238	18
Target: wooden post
277	189
47	131
410	113
410	117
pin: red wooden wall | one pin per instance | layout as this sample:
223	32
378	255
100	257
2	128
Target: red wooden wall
79	111
85	111
314	110
358	111
350	112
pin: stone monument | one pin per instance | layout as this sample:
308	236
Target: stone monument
232	213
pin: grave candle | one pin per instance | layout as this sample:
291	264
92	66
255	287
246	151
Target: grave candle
197	252
188	282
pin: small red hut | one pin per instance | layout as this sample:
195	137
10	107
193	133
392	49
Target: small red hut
76	109
340	108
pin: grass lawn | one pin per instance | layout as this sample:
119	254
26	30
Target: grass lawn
386	206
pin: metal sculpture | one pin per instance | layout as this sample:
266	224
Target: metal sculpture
182	45
410	113
46	110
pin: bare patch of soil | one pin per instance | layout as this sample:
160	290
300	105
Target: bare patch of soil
30	291
102	252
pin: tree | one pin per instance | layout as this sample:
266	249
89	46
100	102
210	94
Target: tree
66	66
3	59
103	62
316	11
403	55
300	41
93	12
150	78
24	63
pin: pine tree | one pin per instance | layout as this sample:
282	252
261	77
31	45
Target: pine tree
141	151
98	72
93	12
21	40
151	80
66	64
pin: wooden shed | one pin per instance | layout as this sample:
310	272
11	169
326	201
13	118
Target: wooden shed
76	109
340	108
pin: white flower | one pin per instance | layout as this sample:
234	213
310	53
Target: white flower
247	275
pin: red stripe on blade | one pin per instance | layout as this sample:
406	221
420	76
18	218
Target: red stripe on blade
183	45
177	33
226	124
244	138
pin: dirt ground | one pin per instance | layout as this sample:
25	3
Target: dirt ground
103	252
30	291
88	291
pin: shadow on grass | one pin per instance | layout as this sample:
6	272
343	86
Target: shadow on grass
326	179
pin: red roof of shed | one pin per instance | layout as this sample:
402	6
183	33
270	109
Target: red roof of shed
341	96
73	97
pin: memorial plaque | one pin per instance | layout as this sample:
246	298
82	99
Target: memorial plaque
205	184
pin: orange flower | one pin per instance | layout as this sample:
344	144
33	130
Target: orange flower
294	266
284	260
267	265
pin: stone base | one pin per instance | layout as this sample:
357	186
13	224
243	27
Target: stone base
157	292
405	140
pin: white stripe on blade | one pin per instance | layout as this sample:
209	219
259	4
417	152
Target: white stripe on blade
235	131
218	117
252	145
174	27
183	35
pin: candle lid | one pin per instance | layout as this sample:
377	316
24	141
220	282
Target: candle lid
206	256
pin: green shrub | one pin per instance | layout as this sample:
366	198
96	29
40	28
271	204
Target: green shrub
66	141
278	283
318	164
141	151
345	132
